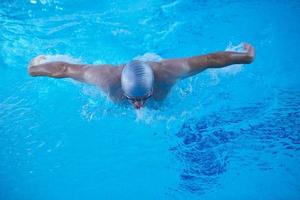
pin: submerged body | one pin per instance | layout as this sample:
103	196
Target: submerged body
166	72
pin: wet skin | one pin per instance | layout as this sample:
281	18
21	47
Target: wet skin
166	72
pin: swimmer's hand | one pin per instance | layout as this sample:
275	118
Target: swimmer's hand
33	67
250	52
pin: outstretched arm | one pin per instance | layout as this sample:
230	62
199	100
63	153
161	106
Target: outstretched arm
186	67
59	70
79	72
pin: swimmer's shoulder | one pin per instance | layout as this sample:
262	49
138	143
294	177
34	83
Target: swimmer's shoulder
103	74
163	72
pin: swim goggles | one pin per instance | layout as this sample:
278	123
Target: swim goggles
135	99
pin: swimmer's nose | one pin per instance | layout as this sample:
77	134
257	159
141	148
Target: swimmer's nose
138	104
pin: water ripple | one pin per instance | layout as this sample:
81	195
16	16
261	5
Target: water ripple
208	145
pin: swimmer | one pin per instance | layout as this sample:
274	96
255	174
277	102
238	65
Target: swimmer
137	81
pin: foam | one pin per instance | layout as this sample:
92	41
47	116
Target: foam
149	57
237	48
63	58
41	59
230	70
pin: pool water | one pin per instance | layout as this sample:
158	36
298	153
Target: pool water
231	133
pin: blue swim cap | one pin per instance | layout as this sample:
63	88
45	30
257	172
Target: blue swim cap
137	79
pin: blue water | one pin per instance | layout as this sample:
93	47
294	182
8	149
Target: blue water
231	133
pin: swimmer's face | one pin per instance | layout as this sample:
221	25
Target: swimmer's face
138	103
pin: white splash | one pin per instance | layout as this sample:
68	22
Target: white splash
148	57
229	70
144	115
64	58
41	59
237	48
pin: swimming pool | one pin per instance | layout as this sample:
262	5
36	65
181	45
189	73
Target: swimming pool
229	133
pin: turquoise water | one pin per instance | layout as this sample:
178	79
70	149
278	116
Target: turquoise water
229	133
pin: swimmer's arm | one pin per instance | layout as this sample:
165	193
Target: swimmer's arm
58	70
190	66
79	72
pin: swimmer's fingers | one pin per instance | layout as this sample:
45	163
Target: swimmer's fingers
250	50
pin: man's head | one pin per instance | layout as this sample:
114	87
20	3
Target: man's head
137	82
